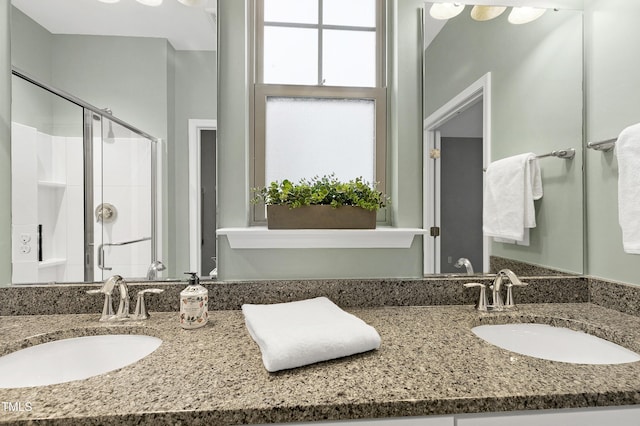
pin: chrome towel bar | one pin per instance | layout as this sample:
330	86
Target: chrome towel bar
567	154
606	145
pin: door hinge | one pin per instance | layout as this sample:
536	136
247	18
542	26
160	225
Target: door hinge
434	231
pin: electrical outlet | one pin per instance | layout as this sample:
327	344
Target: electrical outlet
25	249
25	238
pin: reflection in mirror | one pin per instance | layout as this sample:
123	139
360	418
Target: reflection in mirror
155	67
535	106
47	180
70	171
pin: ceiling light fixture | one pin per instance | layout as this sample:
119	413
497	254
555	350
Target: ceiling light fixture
109	1
486	13
524	15
150	2
445	10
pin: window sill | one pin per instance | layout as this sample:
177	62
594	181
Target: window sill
259	237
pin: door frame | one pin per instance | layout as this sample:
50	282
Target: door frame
476	92
196	126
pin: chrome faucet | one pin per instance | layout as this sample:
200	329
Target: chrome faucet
155	267
497	304
463	261
123	307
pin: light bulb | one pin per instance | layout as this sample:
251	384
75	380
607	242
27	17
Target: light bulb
486	13
524	15
445	10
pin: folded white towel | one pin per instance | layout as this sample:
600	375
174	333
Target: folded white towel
628	154
299	333
511	186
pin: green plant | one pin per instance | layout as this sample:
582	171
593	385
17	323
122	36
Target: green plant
325	190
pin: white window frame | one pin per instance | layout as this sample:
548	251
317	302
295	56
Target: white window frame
261	92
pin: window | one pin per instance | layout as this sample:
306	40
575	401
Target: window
319	99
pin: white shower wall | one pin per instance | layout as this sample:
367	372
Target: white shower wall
47	190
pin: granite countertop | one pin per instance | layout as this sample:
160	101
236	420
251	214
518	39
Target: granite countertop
429	363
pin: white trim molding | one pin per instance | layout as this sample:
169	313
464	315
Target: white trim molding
195	221
481	89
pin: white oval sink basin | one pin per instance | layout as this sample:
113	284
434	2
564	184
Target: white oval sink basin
555	344
73	359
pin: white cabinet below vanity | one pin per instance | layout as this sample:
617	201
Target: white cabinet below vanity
619	416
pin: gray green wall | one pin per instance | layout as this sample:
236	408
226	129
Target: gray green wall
126	74
32	106
195	97
405	166
612	103
5	143
536	101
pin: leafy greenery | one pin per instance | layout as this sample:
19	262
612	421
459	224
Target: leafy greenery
325	190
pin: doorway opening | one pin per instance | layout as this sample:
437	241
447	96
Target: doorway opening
203	197
456	150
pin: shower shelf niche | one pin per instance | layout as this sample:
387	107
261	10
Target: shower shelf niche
49	263
52	184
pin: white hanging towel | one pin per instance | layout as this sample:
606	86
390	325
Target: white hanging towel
628	154
511	186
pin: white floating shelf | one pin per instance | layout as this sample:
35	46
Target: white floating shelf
259	237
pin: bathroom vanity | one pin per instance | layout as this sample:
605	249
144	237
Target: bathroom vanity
429	364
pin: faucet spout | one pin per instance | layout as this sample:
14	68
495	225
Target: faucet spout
496	296
155	267
123	307
463	261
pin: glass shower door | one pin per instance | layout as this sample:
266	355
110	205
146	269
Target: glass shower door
122	204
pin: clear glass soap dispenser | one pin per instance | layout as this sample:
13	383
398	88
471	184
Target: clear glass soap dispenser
194	304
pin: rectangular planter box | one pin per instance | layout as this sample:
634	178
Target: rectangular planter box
320	217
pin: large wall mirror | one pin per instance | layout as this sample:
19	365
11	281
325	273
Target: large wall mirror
150	67
157	84
534	79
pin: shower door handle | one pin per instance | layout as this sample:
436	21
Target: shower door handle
124	243
101	258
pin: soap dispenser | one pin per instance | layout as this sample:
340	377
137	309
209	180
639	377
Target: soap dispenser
194	303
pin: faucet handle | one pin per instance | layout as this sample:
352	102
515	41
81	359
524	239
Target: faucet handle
482	301
141	309
107	308
510	303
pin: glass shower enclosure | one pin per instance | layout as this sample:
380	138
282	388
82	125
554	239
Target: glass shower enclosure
83	189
